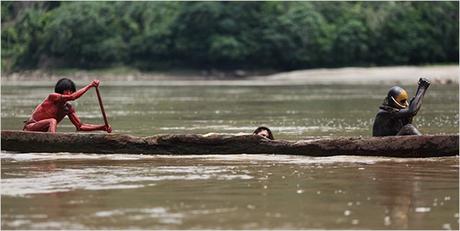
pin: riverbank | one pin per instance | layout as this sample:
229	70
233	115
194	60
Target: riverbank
355	75
446	74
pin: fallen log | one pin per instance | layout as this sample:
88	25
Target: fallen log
392	146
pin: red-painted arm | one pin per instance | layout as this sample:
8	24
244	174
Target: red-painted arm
75	95
87	127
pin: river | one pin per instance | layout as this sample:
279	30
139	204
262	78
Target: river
120	191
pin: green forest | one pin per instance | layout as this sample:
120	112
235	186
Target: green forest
227	35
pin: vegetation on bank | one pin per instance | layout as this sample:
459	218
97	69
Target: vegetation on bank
227	35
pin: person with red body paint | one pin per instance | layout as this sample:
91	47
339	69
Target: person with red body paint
55	107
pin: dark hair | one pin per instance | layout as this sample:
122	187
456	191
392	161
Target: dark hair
64	84
259	129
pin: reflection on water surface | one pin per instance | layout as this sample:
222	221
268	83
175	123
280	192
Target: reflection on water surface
85	191
292	112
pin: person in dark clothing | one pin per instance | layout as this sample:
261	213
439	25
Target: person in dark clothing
395	115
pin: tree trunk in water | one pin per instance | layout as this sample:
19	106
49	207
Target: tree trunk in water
392	146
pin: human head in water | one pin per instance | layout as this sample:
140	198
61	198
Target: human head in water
397	98
65	86
264	131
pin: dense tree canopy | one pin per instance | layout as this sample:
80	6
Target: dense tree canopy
273	35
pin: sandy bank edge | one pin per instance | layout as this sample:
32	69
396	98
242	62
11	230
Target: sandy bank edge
448	74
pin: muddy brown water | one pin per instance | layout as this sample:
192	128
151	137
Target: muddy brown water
89	191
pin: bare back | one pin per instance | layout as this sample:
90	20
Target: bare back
51	108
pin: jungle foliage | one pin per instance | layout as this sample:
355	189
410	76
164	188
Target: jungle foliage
227	35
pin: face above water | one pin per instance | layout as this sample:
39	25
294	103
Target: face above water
263	133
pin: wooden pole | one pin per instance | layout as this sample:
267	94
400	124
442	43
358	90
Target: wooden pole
102	107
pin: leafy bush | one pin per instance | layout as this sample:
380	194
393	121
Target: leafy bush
282	35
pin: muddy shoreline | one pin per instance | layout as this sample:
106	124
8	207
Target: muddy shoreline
448	74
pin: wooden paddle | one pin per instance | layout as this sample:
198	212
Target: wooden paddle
102	107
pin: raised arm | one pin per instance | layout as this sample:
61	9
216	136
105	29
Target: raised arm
416	102
74	95
86	127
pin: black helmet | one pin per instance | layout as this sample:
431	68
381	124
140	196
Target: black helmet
397	97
